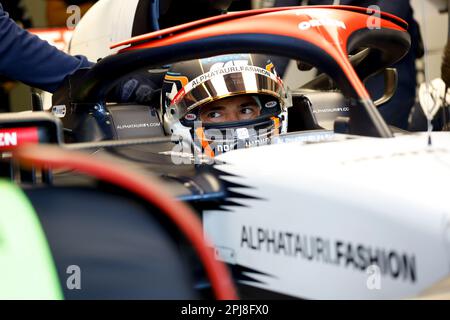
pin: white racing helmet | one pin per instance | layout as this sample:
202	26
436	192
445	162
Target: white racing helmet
224	103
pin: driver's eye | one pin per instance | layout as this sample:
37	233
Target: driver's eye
248	110
214	115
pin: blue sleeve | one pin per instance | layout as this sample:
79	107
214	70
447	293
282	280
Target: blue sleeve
26	58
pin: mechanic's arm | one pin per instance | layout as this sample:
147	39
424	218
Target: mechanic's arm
26	58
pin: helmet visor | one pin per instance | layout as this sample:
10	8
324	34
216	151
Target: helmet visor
223	83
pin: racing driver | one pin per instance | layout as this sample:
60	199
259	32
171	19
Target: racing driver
223	103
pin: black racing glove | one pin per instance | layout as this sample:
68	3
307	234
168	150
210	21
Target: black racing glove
141	87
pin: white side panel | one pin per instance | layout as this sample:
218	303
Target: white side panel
107	22
326	212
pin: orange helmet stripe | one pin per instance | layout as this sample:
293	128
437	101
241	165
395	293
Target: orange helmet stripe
205	144
276	122
184	80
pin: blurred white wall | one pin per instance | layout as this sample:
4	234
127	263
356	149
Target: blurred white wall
434	27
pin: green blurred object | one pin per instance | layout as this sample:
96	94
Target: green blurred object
27	270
